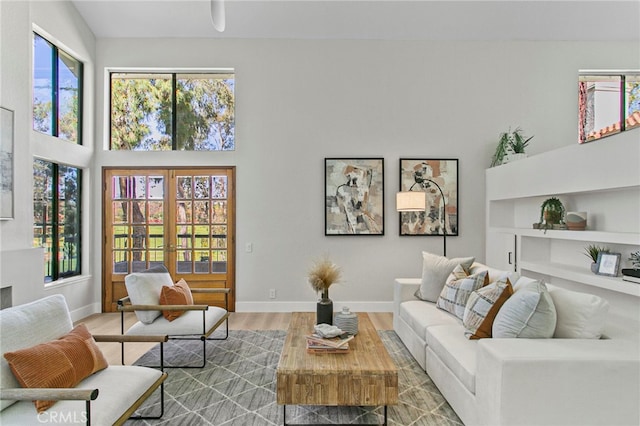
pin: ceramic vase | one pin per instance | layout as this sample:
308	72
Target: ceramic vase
576	221
324	309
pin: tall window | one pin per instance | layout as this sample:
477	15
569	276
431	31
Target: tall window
56	217
57	91
162	112
608	103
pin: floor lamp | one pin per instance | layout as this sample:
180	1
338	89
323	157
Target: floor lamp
416	201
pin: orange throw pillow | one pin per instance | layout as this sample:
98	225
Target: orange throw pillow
61	363
179	294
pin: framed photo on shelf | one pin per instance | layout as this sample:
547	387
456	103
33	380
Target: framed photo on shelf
608	264
439	179
6	163
354	196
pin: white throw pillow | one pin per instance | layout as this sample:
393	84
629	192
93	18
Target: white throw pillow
144	289
435	270
529	313
580	315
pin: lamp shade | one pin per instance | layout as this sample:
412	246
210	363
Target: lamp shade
410	201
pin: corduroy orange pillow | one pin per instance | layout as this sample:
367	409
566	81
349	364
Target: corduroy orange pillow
61	363
179	294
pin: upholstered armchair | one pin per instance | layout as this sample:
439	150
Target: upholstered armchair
165	308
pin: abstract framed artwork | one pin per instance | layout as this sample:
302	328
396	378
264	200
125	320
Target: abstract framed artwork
354	196
418	174
6	164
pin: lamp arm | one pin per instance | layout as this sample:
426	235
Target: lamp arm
444	216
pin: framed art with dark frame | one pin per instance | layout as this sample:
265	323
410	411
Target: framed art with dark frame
6	163
608	264
417	174
354	196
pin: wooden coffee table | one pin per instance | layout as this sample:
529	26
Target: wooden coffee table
365	376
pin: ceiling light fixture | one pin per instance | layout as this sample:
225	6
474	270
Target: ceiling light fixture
217	14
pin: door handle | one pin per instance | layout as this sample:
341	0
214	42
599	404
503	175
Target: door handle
510	262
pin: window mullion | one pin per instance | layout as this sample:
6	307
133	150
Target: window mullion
55	87
55	222
174	112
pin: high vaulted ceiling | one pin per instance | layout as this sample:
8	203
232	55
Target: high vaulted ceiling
362	19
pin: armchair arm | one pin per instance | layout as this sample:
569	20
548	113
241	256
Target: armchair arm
211	290
48	394
131	308
119	338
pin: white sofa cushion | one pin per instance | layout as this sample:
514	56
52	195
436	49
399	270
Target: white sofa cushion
420	315
435	270
455	351
528	313
494	274
580	315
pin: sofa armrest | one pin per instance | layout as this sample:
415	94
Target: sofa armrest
48	394
558	382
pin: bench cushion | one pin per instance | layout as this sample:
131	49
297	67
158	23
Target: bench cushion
190	323
119	387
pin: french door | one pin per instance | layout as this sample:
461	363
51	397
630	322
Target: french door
182	218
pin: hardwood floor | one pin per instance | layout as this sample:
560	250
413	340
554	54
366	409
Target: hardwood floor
109	323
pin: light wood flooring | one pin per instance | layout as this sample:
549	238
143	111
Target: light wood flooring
109	323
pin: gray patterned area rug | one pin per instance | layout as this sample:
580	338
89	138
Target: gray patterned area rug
238	387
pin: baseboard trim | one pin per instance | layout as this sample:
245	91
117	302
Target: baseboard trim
85	311
311	306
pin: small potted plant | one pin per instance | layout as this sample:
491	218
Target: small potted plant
511	146
551	213
592	251
634	258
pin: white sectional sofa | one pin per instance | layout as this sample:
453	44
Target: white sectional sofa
518	381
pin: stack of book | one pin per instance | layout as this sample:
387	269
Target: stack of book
316	344
632	275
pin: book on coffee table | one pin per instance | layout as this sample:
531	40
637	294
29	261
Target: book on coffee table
332	343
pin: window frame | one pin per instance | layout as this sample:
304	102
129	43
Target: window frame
174	74
55	90
53	263
622	103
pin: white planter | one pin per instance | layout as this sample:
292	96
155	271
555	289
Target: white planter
513	157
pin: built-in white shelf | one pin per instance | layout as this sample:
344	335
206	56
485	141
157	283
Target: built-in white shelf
581	275
630	238
601	178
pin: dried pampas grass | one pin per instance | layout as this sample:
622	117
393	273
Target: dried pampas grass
323	274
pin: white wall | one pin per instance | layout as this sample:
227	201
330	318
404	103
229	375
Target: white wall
299	101
21	266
